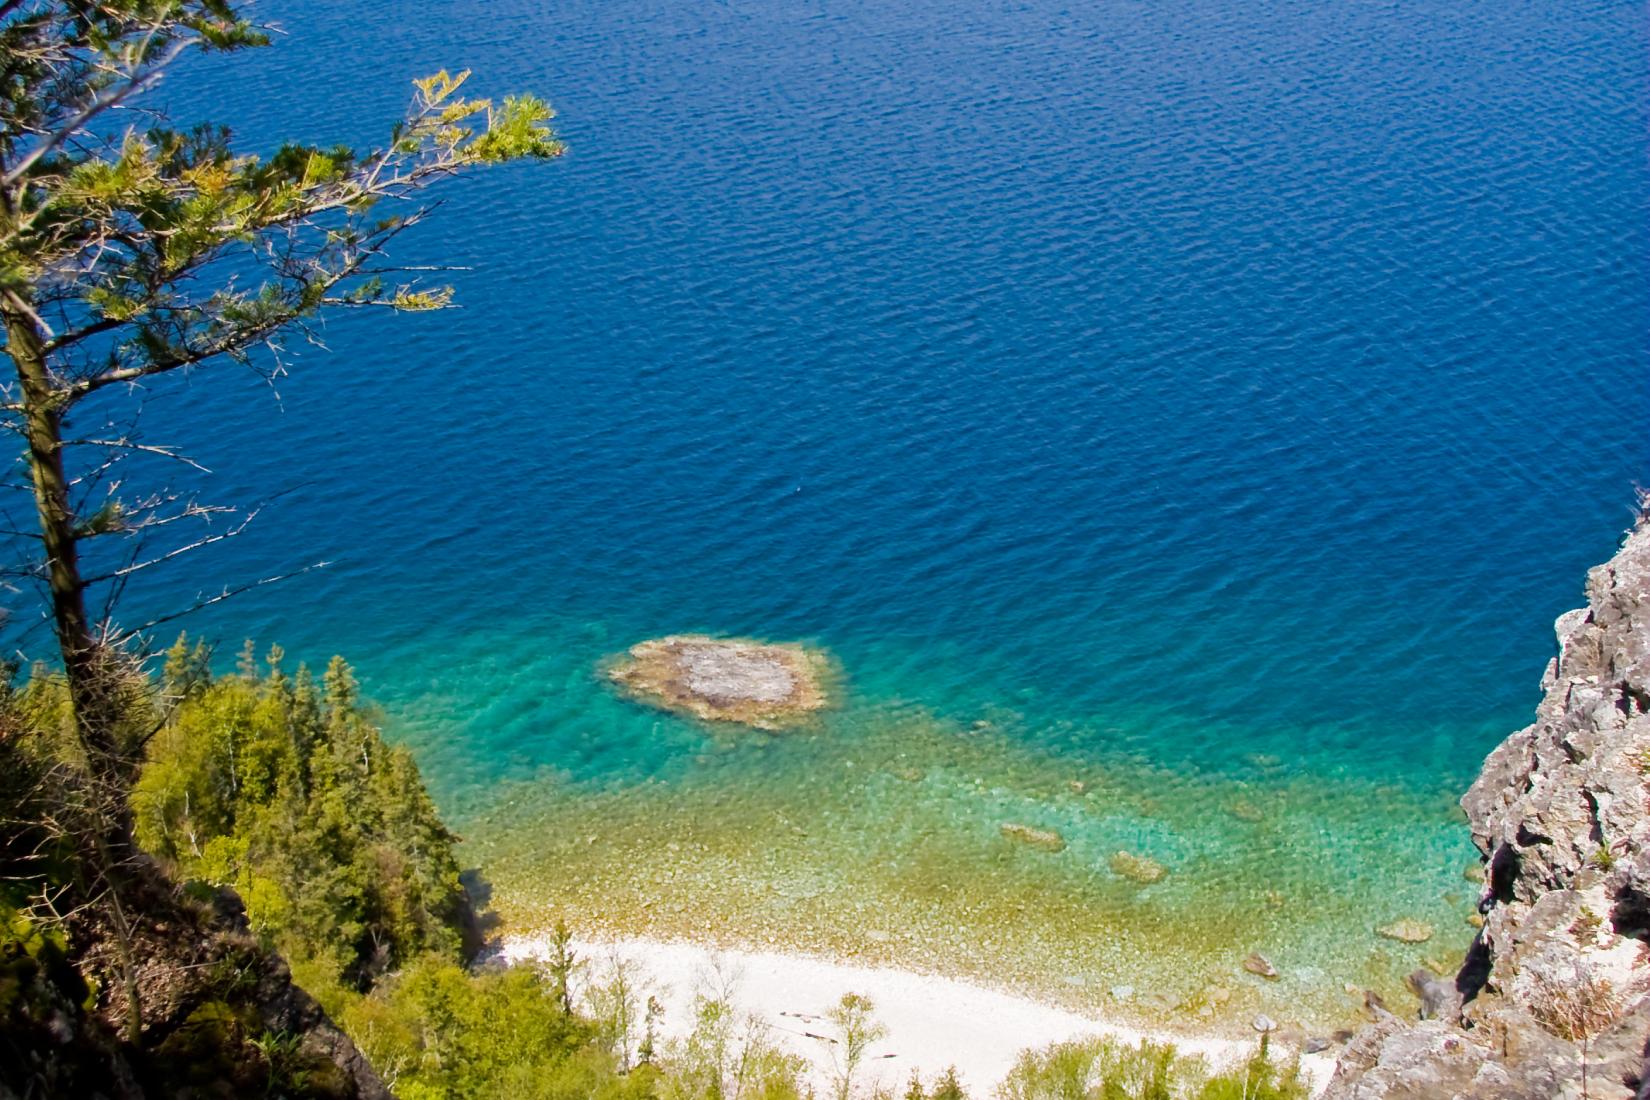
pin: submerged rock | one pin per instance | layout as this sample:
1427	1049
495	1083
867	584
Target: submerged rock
1406	931
1141	869
725	680
1260	965
1046	839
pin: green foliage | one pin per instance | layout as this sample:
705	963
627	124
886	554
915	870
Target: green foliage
437	1032
223	1046
38	730
727	1057
281	788
945	1087
187	671
515	131
855	1028
285	791
56	975
614	1002
1259	1077
35	967
561	964
1105	1069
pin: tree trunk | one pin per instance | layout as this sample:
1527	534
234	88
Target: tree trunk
42	428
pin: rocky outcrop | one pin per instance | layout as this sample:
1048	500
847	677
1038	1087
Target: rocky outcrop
767	686
1554	998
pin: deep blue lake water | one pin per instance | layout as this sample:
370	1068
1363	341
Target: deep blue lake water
1230	390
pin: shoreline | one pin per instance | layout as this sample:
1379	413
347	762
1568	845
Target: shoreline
881	841
933	1022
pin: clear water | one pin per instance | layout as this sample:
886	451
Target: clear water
1209	402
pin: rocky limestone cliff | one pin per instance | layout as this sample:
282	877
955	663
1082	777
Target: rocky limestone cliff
1554	998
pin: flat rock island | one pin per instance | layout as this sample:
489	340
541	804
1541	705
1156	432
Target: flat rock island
766	686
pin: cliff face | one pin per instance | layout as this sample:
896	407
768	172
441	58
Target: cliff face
220	1016
1554	998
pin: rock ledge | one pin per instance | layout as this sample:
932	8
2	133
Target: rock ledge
767	686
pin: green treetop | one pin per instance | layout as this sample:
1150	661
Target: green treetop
290	796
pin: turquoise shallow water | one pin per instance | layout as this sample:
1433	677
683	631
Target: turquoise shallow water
1215	400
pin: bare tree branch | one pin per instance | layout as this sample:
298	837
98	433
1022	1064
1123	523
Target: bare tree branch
128	445
170	555
226	594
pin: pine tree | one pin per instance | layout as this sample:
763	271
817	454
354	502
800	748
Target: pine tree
136	252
